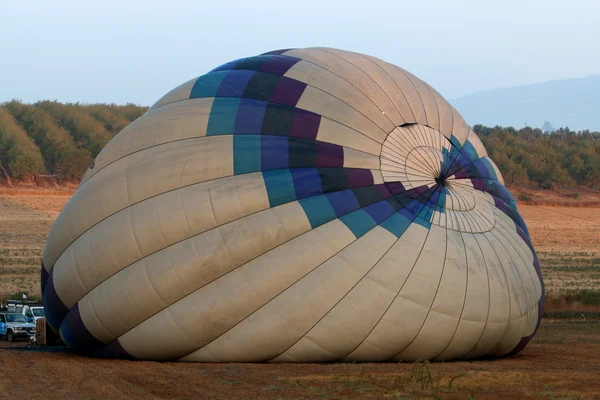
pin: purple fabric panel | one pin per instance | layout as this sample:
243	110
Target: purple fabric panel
418	191
275	52
76	335
288	91
359	177
54	308
278	65
234	84
343	202
395	187
383	189
329	155
250	116
43	278
461	175
305	124
379	211
480	184
114	350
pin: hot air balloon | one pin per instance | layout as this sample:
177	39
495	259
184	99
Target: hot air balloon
303	205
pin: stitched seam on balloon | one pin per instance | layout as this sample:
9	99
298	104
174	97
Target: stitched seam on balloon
263	304
180	187
96	170
190	237
487	275
396	83
434	295
527	312
494	347
399	290
368	76
503	231
464	298
283	292
472	349
347	293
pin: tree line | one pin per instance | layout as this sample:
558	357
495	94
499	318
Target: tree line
563	158
61	139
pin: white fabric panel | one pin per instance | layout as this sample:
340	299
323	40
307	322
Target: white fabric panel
152	225
191	263
336	133
135	178
200	317
280	323
431	110
181	92
445	113
369	299
477	145
344	90
441	322
319	102
407	88
405	316
183	120
460	129
499	305
395	106
476	304
357	159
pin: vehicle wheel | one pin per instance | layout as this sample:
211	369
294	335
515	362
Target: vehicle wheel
10	337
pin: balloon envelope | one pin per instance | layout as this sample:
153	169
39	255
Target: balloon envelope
304	205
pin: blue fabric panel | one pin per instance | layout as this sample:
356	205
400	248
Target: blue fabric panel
424	216
207	85
470	151
280	186
396	224
318	210
359	222
490	168
246	154
222	116
274	152
343	202
379	211
234	84
228	66
455	141
307	182
250	116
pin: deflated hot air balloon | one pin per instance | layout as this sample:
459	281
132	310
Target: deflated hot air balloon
303	205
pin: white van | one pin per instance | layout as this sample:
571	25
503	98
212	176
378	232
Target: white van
31	310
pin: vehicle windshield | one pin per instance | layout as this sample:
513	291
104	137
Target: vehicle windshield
15	318
38	312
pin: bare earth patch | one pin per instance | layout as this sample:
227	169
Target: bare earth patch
562	362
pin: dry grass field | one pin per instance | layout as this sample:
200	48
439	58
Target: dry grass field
25	220
562	362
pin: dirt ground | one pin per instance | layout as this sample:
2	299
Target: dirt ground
562	362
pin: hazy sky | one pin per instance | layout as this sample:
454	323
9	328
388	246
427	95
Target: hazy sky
135	51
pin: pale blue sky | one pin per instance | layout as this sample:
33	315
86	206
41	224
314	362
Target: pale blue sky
135	51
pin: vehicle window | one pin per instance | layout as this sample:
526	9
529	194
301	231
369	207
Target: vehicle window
2	319
38	312
28	313
18	318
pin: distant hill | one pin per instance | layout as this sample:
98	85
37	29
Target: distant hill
573	103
